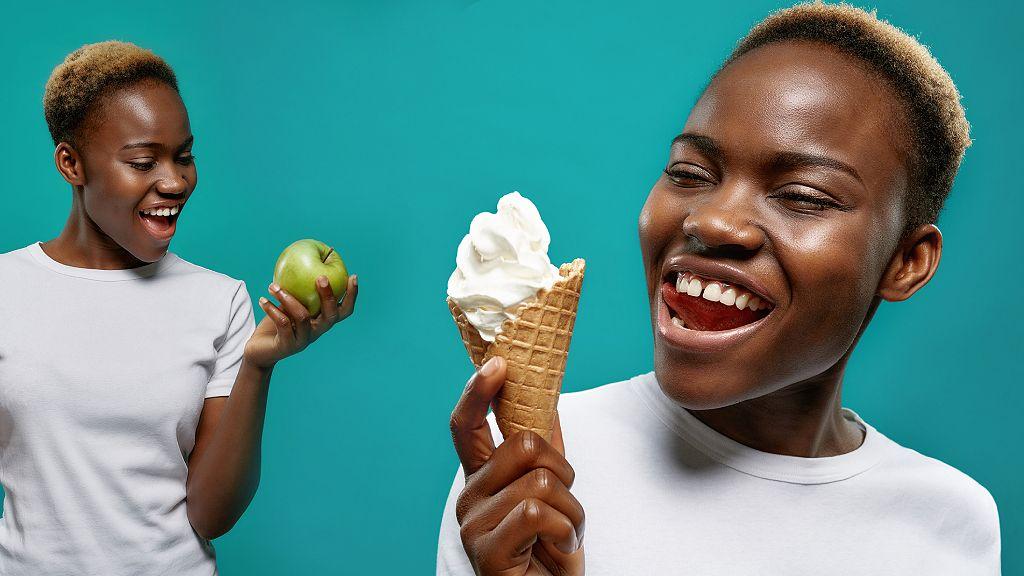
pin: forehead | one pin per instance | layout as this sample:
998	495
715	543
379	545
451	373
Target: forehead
803	97
148	111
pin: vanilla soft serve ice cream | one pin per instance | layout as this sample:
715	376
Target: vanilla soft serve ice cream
502	263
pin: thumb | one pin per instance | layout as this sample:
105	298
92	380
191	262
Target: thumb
471	433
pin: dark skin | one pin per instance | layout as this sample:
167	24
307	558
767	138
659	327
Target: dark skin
792	170
135	153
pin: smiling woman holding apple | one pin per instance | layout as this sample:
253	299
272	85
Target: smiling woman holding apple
801	192
133	384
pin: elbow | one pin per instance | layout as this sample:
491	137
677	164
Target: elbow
206	520
209	528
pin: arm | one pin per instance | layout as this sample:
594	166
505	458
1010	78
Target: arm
224	467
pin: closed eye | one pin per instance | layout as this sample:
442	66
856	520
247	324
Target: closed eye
803	201
685	178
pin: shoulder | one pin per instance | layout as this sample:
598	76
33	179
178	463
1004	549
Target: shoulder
201	286
15	258
612	412
933	485
600	399
178	267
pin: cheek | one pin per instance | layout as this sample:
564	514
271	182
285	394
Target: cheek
111	197
833	280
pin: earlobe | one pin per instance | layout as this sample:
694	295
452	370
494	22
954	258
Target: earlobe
913	264
69	164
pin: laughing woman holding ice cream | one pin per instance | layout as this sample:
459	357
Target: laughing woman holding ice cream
801	192
133	384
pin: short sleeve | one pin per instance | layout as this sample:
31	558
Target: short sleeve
239	326
451	555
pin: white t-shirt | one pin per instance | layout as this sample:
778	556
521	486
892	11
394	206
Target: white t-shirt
665	494
103	374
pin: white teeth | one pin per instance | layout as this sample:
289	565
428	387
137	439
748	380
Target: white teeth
713	292
161	211
741	300
755	303
681	284
695	288
728	297
678	322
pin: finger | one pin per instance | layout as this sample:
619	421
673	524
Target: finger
541	484
517	456
296	312
515	535
348	302
328	303
285	331
470	432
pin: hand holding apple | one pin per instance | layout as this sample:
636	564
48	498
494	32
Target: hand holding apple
309	278
299	266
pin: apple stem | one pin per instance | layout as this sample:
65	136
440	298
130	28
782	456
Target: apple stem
328	255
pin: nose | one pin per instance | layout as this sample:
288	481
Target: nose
725	220
172	184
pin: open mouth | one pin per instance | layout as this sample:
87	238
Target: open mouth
160	222
708	305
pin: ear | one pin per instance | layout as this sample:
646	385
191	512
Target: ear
913	264
69	164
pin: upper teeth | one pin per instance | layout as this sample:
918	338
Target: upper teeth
715	291
161	211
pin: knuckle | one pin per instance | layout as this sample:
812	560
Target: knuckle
543	481
531	511
530	445
572	474
455	423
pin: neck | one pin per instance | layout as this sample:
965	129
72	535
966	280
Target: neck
804	419
83	245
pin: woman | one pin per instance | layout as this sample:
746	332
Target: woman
133	384
802	192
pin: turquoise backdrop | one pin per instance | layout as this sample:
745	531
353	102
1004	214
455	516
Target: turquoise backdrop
384	126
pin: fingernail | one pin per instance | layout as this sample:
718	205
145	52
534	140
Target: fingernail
322	281
355	280
274	288
490	366
262	301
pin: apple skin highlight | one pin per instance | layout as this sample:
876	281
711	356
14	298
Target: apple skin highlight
301	263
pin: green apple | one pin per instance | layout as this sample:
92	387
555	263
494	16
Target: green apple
302	263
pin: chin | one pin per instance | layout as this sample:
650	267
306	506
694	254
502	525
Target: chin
703	387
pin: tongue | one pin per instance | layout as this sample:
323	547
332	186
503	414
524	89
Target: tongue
700	314
158	223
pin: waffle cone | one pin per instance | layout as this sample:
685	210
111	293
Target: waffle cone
535	346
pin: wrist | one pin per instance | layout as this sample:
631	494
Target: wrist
255	368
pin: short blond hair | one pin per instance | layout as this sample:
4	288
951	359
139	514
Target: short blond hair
90	72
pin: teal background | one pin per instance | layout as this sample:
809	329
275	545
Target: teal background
383	127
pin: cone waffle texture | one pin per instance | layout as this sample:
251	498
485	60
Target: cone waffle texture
535	346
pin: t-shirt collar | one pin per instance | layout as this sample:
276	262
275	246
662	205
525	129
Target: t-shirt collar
721	448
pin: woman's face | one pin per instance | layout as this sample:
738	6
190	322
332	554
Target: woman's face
784	192
138	169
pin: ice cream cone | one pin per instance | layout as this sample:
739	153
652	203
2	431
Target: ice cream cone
535	345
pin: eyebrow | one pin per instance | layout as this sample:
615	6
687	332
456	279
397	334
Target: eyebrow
188	141
780	161
790	160
704	144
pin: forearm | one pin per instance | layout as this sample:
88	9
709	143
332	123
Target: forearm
224	475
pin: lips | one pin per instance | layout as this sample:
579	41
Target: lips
160	221
705	304
709	306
